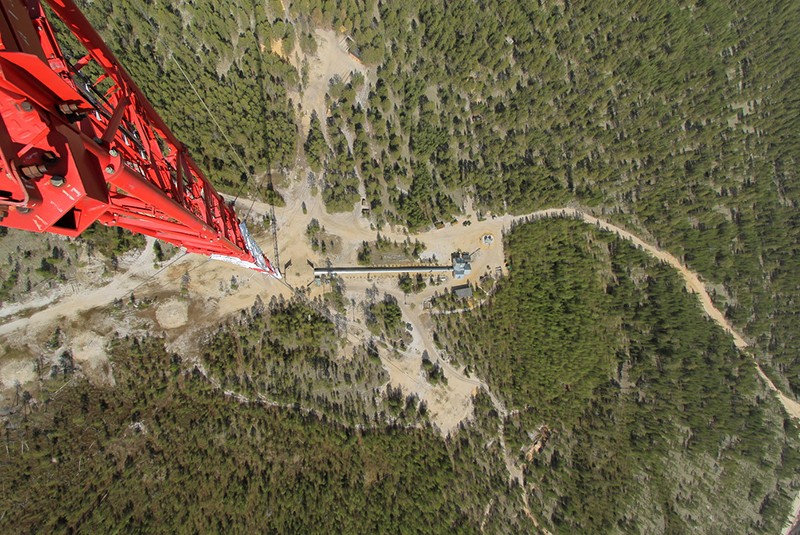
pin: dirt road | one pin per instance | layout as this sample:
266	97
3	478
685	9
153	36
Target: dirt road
330	61
694	284
352	228
448	405
82	300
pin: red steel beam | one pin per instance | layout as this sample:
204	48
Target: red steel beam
69	158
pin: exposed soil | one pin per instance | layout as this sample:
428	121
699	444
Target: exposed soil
172	314
211	285
448	405
83	297
17	372
330	60
217	289
89	352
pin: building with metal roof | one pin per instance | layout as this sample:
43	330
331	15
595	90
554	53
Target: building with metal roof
461	265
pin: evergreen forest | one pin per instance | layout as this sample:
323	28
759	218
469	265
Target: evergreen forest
676	120
165	451
625	409
656	416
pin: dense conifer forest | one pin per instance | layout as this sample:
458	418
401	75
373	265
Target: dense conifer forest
627	410
673	119
656	416
166	450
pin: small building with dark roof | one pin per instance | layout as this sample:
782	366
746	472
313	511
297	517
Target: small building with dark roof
463	292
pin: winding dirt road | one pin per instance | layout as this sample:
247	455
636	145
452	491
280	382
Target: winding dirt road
352	229
693	282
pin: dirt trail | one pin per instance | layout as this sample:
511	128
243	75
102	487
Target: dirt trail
793	517
70	306
12	309
696	286
330	60
450	405
353	229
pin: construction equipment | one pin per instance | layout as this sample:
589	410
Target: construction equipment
77	148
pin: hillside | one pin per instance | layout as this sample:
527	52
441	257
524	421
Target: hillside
165	450
655	417
583	388
675	121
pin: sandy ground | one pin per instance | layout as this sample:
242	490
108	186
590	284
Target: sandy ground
89	352
92	270
352	229
172	314
793	517
329	61
449	405
12	309
83	299
17	372
249	285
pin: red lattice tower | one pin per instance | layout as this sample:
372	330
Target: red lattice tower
72	153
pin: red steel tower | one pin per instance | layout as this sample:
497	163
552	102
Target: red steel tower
77	147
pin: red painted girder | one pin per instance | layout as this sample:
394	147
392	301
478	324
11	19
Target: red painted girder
69	157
